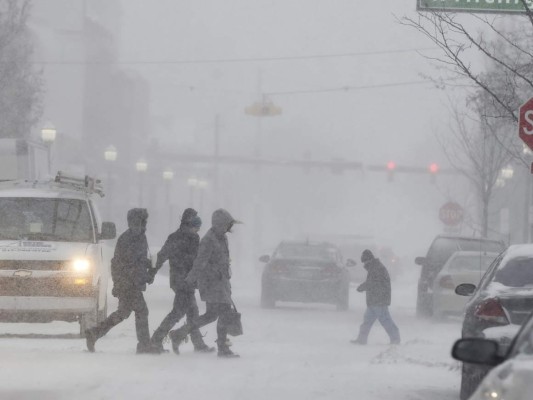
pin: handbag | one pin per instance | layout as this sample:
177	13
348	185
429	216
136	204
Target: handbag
233	321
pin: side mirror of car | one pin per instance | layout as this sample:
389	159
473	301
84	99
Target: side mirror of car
109	231
477	351
465	289
350	263
420	260
264	259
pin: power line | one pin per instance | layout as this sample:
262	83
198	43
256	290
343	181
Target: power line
236	60
348	88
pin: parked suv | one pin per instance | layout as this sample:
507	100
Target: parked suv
52	265
440	250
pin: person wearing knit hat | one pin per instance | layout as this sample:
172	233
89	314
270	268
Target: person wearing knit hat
378	299
180	250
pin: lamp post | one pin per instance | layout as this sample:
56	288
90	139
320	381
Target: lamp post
168	176
110	155
48	135
141	166
192	182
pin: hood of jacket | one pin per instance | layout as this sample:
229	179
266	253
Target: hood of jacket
222	221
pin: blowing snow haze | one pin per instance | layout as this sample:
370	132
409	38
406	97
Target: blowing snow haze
348	80
327	128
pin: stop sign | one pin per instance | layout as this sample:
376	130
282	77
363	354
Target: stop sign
451	214
525	123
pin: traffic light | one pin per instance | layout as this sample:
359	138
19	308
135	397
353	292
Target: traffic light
391	166
433	169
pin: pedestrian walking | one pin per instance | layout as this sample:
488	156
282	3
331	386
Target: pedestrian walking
180	250
130	271
378	299
211	273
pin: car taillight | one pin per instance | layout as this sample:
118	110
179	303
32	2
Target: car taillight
446	282
278	268
491	310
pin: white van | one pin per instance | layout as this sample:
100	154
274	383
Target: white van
52	264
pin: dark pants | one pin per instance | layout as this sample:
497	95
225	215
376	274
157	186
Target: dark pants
184	304
128	302
213	312
381	313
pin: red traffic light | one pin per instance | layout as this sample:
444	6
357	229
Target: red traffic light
433	168
391	165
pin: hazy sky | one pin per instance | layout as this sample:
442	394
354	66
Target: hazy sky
387	114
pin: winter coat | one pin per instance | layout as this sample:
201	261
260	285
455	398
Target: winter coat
377	285
130	264
211	270
180	250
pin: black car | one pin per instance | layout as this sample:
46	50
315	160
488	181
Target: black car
499	305
305	272
440	250
512	378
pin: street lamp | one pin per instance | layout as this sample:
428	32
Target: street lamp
507	172
141	166
110	155
48	135
168	176
192	182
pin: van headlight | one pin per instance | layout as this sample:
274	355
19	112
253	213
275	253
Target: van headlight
81	265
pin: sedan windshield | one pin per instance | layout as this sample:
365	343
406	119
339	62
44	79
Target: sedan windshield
45	219
517	272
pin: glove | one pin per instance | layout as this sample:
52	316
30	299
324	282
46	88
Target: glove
115	292
151	275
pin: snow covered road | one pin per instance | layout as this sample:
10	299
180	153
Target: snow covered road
295	351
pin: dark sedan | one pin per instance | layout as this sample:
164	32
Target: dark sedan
498	307
305	272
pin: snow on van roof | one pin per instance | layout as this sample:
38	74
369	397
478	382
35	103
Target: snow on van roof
39	189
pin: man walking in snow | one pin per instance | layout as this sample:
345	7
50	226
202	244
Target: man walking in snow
180	250
211	272
378	299
130	270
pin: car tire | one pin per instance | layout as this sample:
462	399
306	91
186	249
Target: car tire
424	308
267	298
469	383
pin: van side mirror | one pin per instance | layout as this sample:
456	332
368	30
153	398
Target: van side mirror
109	231
350	263
465	289
264	259
420	260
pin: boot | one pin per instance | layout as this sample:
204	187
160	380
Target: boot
158	345
90	337
177	337
358	341
204	348
148	348
224	351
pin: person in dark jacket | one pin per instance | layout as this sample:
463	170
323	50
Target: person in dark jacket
180	250
130	271
211	272
378	299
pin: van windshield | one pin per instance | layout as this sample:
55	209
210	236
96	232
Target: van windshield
58	220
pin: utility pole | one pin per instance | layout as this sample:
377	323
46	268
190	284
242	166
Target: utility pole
216	164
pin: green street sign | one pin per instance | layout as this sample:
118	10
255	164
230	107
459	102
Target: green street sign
474	6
